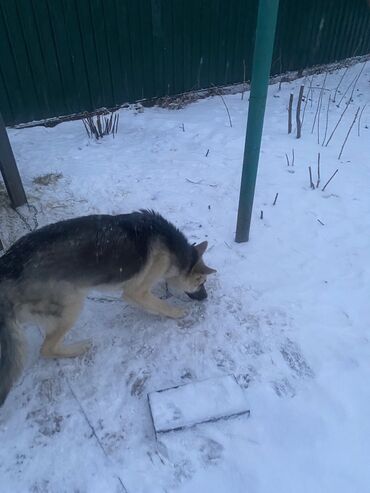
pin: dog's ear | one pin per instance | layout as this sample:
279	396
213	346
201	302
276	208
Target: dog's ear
201	248
208	270
201	268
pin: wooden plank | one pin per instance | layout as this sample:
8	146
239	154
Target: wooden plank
9	170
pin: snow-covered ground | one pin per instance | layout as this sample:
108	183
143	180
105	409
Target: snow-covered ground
287	313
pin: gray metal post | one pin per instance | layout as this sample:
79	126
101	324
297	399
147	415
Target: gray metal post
9	170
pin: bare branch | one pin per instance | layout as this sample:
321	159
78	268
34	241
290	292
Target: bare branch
318	171
339	83
327	183
349	131
319	101
298	113
311	182
359	119
218	92
338	122
327	120
307	97
290	107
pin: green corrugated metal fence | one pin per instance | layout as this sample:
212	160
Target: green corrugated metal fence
59	57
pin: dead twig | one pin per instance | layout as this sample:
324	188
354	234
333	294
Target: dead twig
319	102
337	124
311	182
318	171
200	182
358	77
244	71
307	98
287	159
349	131
99	126
339	83
290	107
359	119
275	200
298	113
327	183
354	84
326	120
261	215
322	224
218	92
353	81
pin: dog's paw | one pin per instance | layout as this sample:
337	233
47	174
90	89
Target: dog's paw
176	312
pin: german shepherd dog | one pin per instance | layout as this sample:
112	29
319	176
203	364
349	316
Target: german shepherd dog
45	276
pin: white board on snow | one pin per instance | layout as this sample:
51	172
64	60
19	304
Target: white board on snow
198	402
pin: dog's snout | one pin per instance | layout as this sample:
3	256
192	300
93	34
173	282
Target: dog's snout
199	295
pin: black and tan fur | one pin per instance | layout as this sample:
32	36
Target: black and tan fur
45	276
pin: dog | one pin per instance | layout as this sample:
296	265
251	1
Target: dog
45	277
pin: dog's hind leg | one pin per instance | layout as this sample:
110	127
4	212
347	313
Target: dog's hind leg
57	326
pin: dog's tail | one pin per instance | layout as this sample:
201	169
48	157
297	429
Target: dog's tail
11	349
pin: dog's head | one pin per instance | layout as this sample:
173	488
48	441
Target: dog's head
193	281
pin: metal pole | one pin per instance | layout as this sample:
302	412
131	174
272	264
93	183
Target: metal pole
9	170
262	56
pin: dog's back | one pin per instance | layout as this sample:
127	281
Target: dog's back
93	250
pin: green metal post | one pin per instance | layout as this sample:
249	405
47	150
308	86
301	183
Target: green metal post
263	48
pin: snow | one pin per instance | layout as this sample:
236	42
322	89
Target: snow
287	312
193	403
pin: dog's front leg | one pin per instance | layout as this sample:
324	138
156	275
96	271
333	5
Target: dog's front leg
152	304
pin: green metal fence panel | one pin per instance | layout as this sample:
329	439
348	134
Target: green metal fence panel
59	57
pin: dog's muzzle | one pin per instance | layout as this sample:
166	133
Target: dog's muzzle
199	295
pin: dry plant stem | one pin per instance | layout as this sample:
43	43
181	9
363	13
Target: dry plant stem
298	113
290	108
339	83
117	120
287	159
345	92
318	120
322	224
223	100
312	93
318	170
338	122
101	126
275	200
307	97
359	119
352	83
327	183
261	215
358	77
327	119
349	131
292	157
244	70
319	102
311	182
